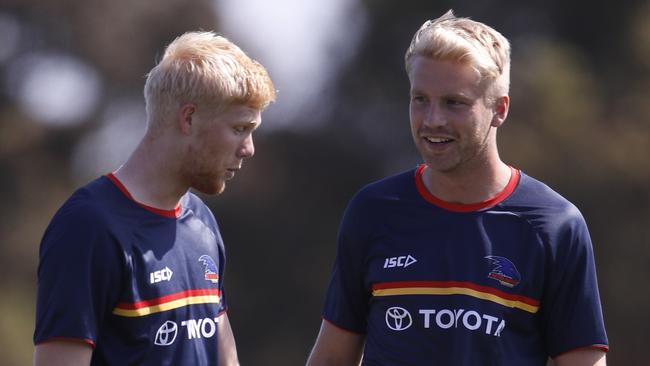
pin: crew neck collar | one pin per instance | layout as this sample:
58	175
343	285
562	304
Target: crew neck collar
462	207
176	212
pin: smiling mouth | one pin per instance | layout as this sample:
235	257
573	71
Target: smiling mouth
438	140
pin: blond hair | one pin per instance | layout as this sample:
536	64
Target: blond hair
463	40
205	68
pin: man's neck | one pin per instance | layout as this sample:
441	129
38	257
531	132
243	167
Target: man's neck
151	176
467	186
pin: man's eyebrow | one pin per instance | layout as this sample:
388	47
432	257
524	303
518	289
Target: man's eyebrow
416	91
249	122
462	95
454	94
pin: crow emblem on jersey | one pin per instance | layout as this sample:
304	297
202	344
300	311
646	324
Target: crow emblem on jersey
504	271
210	268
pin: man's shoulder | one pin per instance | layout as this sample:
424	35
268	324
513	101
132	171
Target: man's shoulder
542	205
89	202
395	185
539	193
378	197
84	218
191	202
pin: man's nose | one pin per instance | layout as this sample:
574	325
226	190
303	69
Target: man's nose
247	148
434	117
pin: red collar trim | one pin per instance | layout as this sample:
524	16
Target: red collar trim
461	207
176	212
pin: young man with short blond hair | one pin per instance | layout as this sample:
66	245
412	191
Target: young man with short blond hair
463	260
131	266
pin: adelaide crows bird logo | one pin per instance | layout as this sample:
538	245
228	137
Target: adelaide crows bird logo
503	271
210	268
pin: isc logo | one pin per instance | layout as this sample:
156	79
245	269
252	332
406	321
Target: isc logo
401	261
162	275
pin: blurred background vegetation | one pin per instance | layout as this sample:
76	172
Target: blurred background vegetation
71	108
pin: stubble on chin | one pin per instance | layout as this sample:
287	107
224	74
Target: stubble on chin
444	167
205	183
441	163
210	187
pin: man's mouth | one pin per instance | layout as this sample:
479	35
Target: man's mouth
438	140
231	173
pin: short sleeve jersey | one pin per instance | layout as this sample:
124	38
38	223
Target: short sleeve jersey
140	285
510	281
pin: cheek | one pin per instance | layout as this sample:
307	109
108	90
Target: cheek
415	111
414	126
415	117
205	157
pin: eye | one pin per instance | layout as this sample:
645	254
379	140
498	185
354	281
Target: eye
455	102
239	129
418	99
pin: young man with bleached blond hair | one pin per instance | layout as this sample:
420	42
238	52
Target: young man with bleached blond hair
463	260
131	266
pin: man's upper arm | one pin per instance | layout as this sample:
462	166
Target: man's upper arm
62	353
336	346
226	347
79	273
571	310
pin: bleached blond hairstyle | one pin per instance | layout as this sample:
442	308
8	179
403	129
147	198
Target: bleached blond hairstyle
466	41
205	68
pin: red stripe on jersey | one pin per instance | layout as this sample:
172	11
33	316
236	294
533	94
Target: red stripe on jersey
87	341
168	298
601	347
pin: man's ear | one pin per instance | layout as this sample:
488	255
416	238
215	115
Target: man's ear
184	118
500	110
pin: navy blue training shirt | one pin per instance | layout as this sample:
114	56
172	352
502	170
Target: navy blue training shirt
142	286
509	281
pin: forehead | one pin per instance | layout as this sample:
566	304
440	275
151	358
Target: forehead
239	113
444	77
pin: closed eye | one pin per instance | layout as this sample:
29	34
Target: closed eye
455	102
245	128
